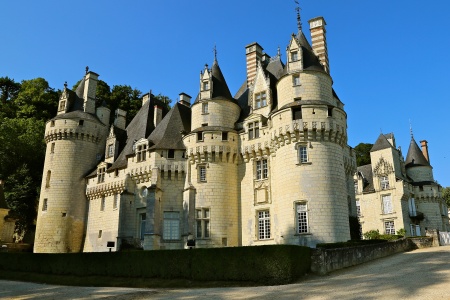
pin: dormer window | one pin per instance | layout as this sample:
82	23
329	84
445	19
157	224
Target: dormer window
205	85
111	150
260	100
171	154
384	182
141	153
101	175
253	130
294	56
62	105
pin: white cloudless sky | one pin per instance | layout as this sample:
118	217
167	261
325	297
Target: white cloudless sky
388	59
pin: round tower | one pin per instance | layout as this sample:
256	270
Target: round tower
212	185
417	163
75	141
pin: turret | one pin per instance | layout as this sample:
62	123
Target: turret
417	165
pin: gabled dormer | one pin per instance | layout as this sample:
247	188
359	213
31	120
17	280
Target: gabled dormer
206	83
294	55
112	146
141	150
63	104
260	96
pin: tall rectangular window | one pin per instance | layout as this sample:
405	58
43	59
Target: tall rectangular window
116	201
202	218
171	153
253	130
204	108
111	150
264	225
142	221
224	136
102	203
356	186
200	136
205	85
384	182
295	80
358	208
412	207
261	169
52	148
45	204
101	175
141	152
171	225
389	227
387	204
302	218
302	154
202	173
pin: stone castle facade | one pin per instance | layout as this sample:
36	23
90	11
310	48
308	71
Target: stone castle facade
269	165
393	193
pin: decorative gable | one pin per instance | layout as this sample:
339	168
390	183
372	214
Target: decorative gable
294	55
260	95
205	83
383	168
63	102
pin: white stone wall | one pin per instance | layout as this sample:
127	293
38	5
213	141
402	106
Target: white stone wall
220	113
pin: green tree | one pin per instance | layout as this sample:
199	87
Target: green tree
8	91
166	100
362	152
36	99
446	195
126	98
22	155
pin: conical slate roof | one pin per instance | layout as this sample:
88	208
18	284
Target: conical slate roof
381	143
415	156
220	87
168	133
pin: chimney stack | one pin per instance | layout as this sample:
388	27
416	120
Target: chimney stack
424	145
90	87
120	120
254	54
185	99
157	115
319	41
145	98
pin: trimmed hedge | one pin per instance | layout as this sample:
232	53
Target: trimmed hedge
277	264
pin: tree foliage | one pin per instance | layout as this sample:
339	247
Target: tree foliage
446	195
8	90
362	152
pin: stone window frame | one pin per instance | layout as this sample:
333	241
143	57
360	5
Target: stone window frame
302	224
171	226
45	204
102	203
391	228
260	99
294	56
205	108
62	105
203	223
253	129
202	173
303	157
263	224
384	182
262	168
101	173
110	150
141	152
52	148
116	201
47	179
205	85
385	205
358	208
100	234
171	154
296	80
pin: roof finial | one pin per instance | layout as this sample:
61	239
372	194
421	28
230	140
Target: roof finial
299	21
215	53
410	129
87	69
278	52
65	85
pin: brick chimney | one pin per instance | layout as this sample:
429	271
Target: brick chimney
145	98
157	115
90	87
185	99
253	53
424	145
319	41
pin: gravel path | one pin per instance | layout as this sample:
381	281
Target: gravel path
420	274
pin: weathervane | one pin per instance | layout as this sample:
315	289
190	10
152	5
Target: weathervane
299	22
215	53
410	129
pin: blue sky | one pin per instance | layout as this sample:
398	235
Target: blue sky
388	59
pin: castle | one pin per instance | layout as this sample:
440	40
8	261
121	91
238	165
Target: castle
393	193
269	165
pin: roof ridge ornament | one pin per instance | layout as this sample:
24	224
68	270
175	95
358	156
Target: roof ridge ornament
410	129
299	21
215	53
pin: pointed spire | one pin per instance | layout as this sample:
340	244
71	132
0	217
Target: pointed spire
278	52
215	53
410	130
299	21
